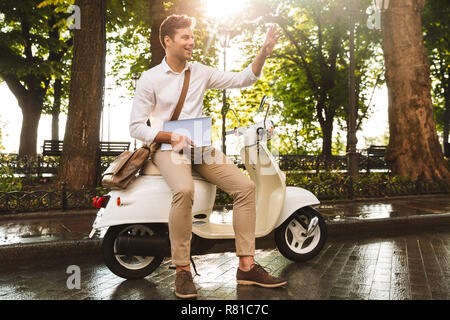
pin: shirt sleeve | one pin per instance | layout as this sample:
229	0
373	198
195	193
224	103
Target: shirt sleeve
143	105
227	80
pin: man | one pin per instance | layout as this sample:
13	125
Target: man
156	96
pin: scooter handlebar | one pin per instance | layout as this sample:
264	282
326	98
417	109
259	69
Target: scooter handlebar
237	131
258	126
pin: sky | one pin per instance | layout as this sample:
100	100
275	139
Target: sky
118	104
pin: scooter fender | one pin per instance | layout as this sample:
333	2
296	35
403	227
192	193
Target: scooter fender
295	199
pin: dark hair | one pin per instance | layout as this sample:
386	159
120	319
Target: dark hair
173	22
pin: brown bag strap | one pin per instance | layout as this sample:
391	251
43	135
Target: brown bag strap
176	113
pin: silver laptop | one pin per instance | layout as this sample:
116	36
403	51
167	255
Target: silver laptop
196	129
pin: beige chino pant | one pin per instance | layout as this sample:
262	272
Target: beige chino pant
215	167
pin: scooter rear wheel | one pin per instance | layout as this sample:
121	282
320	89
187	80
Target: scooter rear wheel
292	239
126	266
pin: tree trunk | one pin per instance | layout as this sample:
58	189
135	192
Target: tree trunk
56	109
224	136
79	160
326	125
414	150
327	136
296	143
447	117
158	52
224	112
31	102
28	135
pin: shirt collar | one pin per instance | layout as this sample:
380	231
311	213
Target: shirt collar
167	69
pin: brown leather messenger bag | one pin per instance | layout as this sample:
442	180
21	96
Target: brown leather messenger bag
124	168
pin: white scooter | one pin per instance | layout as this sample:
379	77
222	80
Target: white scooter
137	239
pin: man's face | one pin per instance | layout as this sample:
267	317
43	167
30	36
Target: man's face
181	45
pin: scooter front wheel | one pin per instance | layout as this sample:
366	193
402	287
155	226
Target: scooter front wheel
128	266
295	241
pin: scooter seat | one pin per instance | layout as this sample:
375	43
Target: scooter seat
150	169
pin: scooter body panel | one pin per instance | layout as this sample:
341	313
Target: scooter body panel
270	186
270	192
148	200
296	198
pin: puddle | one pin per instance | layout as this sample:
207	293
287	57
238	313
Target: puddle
41	230
385	209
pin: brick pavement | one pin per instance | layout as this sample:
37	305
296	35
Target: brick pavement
413	266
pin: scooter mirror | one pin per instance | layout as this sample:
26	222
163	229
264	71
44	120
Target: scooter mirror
261	106
267	112
235	115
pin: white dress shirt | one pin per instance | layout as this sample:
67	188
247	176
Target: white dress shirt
158	91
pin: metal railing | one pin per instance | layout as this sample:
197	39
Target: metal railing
62	199
44	200
301	170
49	164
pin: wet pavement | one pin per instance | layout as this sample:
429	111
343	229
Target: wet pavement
42	229
386	208
59	226
390	249
414	266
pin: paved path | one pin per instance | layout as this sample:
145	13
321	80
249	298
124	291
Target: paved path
415	266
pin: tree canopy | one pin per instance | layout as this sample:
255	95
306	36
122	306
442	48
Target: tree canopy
308	73
32	55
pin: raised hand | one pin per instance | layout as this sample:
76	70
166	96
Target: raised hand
273	34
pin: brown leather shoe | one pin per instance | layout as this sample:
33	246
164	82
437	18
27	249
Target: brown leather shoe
257	275
184	285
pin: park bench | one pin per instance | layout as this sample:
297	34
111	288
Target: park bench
113	148
107	148
52	147
375	152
